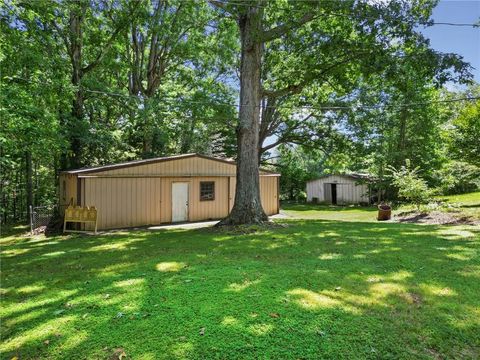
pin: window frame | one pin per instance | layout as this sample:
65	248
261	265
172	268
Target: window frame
213	190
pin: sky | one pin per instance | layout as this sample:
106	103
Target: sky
464	41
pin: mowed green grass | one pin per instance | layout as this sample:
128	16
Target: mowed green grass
470	199
330	212
465	204
312	289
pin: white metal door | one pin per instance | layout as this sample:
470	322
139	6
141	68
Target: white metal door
179	201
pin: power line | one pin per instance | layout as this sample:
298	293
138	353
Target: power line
304	107
455	24
240	3
433	23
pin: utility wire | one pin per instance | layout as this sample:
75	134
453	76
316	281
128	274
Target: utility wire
240	3
304	107
456	24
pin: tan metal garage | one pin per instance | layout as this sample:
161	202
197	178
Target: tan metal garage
190	187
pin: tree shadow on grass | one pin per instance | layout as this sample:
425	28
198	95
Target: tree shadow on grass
310	290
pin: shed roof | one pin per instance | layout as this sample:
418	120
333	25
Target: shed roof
353	175
126	164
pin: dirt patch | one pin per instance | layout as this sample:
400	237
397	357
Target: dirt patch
413	298
434	354
436	218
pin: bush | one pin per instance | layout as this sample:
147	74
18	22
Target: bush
301	196
411	187
458	177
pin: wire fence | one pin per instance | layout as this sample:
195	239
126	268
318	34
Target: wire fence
40	216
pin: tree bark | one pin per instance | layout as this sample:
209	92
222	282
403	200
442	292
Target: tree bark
247	208
29	182
75	43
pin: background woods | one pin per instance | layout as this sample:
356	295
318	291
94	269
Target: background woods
307	87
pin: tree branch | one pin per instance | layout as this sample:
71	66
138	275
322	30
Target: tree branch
290	89
109	44
276	32
220	5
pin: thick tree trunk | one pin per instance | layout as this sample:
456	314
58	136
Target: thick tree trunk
76	113
247	208
77	116
29	181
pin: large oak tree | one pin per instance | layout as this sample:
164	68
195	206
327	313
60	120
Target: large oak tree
290	49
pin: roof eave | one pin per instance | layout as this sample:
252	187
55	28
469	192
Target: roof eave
150	161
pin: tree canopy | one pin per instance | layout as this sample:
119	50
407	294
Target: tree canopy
308	87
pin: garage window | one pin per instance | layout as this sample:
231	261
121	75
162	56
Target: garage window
207	190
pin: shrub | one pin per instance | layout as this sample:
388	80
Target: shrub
458	177
411	187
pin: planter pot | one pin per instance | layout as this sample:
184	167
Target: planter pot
384	212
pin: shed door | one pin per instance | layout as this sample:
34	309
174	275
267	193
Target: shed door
327	191
179	201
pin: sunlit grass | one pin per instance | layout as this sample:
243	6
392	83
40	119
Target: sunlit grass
170	266
463	199
464	205
312	289
330	212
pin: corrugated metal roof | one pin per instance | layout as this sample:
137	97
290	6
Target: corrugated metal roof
357	176
151	161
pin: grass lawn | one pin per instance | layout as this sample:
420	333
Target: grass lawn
313	289
462	205
466	204
465	200
330	212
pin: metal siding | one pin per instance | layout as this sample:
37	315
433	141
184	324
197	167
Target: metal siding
123	202
231	200
268	194
70	190
213	209
179	167
137	201
347	189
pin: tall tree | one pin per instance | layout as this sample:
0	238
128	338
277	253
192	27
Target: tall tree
88	31
168	42
372	28
247	207
464	143
29	141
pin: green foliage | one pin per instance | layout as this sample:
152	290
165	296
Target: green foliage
296	167
158	78
189	110
465	142
411	187
323	287
457	177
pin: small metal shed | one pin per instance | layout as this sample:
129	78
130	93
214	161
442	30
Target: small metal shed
340	189
189	187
